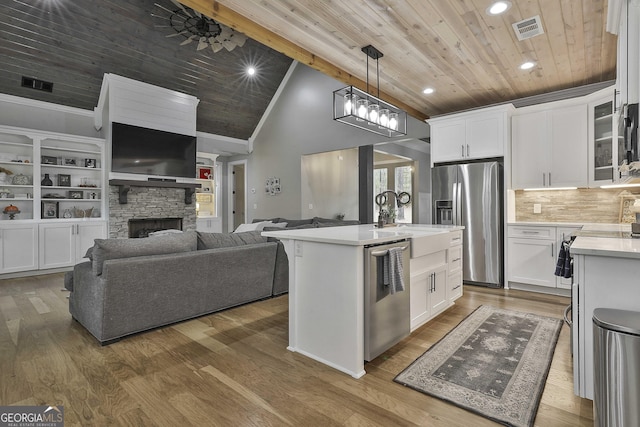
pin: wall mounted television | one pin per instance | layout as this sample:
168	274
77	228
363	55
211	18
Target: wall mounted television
152	152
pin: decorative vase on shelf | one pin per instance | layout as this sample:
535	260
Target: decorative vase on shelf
46	181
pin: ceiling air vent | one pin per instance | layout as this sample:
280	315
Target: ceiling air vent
528	28
37	84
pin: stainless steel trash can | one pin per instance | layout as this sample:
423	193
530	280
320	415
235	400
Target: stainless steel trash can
616	366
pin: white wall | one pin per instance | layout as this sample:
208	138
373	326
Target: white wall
301	123
330	184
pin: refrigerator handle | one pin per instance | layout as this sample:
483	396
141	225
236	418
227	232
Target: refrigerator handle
456	204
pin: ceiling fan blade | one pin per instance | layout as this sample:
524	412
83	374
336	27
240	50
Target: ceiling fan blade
177	34
229	45
184	9
216	46
239	38
189	40
202	43
225	32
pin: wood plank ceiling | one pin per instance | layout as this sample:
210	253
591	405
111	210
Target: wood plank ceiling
470	58
72	43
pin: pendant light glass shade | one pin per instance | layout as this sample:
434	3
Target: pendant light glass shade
363	109
374	116
350	100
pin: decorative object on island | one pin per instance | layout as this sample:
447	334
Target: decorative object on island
194	26
358	108
76	195
12	211
49	210
21	179
388	216
46	181
64	180
89	163
49	160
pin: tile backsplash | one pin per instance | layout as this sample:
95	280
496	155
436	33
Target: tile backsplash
592	205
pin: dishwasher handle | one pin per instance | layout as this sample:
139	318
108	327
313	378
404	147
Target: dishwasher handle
385	251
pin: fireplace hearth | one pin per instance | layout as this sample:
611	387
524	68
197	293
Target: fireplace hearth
143	226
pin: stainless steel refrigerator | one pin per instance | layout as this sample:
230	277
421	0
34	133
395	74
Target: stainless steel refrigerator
471	195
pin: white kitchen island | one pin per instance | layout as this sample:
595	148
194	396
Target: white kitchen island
326	285
606	274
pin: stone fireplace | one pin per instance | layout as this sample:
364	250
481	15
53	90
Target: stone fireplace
149	203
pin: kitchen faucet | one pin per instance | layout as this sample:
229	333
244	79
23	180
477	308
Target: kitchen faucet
403	198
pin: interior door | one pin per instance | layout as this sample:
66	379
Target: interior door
239	207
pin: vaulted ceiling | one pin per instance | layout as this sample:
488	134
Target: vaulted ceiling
72	43
469	58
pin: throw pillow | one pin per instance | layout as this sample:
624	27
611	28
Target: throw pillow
255	226
105	249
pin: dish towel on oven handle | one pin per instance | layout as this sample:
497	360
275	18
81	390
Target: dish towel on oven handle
564	265
393	270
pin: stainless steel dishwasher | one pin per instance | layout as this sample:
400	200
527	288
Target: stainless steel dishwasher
386	316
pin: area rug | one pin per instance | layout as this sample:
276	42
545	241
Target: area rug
494	363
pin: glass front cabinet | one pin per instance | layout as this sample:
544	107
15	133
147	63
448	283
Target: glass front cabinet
603	147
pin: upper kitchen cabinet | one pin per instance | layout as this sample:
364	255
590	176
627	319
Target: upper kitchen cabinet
603	147
470	135
549	146
623	19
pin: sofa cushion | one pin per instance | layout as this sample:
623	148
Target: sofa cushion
227	240
105	249
294	223
274	220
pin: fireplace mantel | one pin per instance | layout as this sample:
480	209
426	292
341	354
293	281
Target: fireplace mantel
125	185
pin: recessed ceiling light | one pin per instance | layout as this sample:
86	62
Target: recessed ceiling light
498	7
428	91
251	71
527	65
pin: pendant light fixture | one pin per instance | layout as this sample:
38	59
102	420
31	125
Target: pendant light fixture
358	108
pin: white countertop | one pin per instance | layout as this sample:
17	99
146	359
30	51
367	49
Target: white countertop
621	247
360	235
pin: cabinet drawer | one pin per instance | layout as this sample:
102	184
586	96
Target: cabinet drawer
456	237
428	262
455	258
532	232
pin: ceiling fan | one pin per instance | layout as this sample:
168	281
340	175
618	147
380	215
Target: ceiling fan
195	27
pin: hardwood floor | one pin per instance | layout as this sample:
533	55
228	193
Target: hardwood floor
232	368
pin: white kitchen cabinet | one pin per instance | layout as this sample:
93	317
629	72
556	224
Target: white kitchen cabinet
470	135
549	146
532	255
18	247
209	224
454	281
603	147
63	244
428	286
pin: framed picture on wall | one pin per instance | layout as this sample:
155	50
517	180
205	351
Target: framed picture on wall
205	172
89	163
76	195
64	180
49	210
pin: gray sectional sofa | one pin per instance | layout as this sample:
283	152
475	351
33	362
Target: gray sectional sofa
314	222
133	285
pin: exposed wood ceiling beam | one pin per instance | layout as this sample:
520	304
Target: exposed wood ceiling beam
228	17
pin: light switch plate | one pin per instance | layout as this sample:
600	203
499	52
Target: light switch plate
537	208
